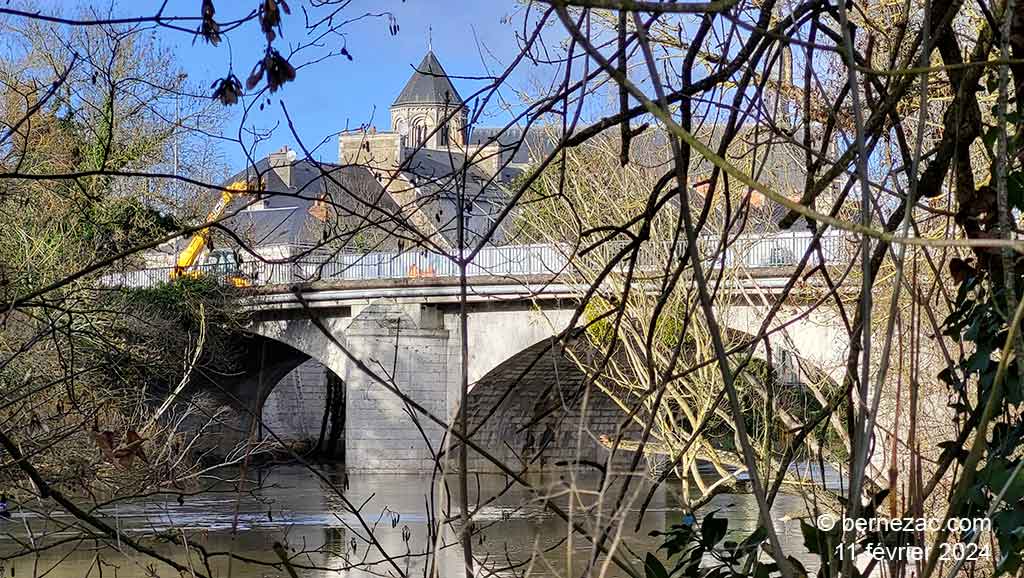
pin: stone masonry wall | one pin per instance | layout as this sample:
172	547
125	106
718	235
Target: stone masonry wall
540	417
381	436
294	410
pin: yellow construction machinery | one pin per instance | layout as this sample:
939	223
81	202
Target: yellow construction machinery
225	262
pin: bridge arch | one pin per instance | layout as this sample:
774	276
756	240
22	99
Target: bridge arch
252	368
536	409
538	399
418	349
294	405
498	332
380	434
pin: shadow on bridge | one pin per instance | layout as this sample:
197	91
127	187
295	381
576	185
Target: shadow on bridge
242	380
538	410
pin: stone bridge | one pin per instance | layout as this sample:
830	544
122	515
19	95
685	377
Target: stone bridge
371	314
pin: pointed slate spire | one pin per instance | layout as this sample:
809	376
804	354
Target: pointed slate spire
429	84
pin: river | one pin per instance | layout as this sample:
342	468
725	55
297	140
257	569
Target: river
288	505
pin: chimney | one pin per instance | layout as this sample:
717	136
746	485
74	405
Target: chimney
281	162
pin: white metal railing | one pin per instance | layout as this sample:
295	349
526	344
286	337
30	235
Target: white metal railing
756	252
506	261
778	250
511	260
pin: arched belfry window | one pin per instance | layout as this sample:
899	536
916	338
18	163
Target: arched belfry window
402	130
419	132
443	135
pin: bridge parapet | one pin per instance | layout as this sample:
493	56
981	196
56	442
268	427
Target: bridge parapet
756	252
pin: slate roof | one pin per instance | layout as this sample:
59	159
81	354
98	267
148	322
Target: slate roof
536	141
429	84
284	217
263	227
519	148
441	171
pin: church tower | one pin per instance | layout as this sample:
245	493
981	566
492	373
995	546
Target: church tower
427	102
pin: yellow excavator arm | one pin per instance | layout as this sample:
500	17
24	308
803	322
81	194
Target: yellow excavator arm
188	258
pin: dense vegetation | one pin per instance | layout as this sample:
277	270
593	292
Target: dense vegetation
86	366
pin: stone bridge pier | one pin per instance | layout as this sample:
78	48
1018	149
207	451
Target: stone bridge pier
410	354
415	348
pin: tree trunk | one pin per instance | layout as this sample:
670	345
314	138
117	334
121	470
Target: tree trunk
336	411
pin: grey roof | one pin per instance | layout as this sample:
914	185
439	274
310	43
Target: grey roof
438	171
261	227
284	215
438	176
429	84
524	146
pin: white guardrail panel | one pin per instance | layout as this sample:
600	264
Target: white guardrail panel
772	251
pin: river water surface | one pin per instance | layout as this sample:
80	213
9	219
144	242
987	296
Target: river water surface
288	505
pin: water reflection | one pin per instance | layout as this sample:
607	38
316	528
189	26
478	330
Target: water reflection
399	516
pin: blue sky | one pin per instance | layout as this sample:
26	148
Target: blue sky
330	94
